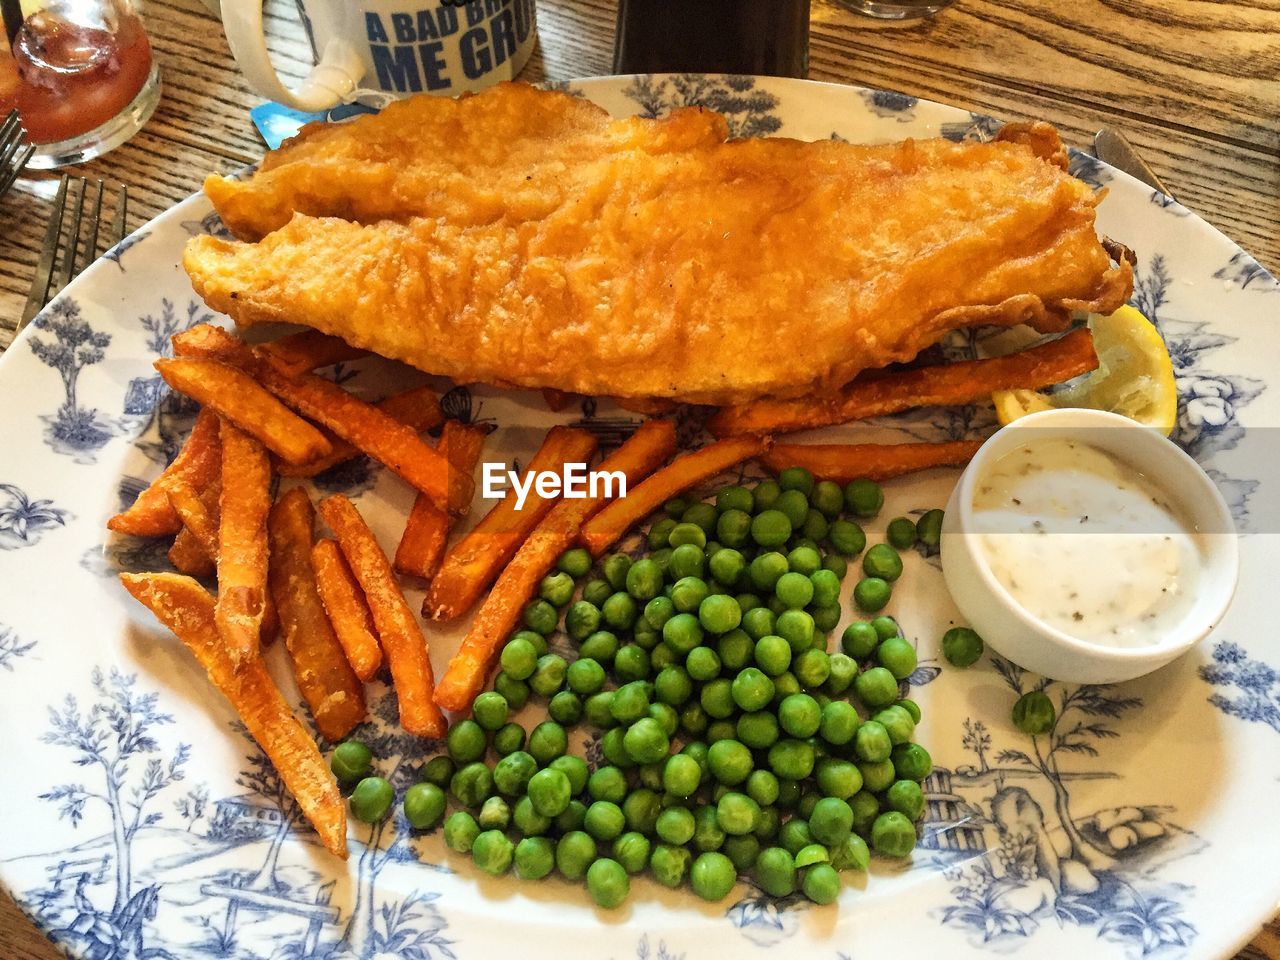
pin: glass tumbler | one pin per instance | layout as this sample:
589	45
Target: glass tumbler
896	9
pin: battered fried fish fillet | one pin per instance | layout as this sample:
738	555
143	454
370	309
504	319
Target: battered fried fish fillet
716	273
515	151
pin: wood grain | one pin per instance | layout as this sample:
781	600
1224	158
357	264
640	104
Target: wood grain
1194	83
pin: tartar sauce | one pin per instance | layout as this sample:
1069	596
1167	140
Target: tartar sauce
1086	544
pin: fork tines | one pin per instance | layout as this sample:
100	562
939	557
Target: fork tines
71	242
14	150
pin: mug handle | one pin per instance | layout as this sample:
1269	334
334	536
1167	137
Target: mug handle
335	75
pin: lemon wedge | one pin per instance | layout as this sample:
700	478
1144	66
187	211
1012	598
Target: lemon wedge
1134	377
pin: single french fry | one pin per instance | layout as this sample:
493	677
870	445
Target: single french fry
347	609
556	400
646	450
609	525
965	381
402	639
477	559
197	463
207	341
190	506
842	462
234	395
186	608
310	350
328	684
368	429
242	542
417	408
189	557
426	532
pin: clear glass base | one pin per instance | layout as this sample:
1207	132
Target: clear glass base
896	9
107	136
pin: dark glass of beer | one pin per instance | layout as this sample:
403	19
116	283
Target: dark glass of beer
766	37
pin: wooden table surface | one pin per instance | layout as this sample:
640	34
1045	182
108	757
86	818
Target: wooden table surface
1194	83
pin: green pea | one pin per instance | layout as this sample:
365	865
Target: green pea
962	647
438	770
574	854
472	784
758	622
549	792
548	678
736	813
716	698
1034	713
702	664
585	676
720	730
512	773
702	514
775	872
901	533
799	715
508	739
607	883
735	649
681	775
733	528
687	533
576	562
669	864
796	478
847	538
351	762
872	594
741	851
839	723
907	798
766	493
811	854
871	742
607	783
424	805
794	835
515	692
615	568
852	854
632	663
556	588
641	808
614	750
719	614
763	788
490	710
575	768
495	814
632	850
812	668
771	528
575	814
773	654
897	722
466	741
604	820
831	821
911	761
687	561
796	627
694	719
827	498
804	560
582	620
675	507
882	561
644	580
838	778
460	832
795	590
630	702
729	761
765	570
547	741
821	884
865	807
619	611
893	835
897	656
825	588
877	776
645	741
659	532
815	527
794	505
540	616
687	594
842	671
535	858
758	730
595	593
791	759
751	689
929	530
911	707
526	819
836	564
863	498
675	825
658	611
859	640
598	710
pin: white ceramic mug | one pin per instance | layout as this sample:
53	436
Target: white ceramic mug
397	47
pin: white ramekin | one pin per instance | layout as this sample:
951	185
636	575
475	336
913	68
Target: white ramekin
1013	632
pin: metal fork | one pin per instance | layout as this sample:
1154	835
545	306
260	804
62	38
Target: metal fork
14	150
68	251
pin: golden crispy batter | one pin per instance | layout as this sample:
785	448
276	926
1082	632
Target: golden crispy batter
515	151
713	274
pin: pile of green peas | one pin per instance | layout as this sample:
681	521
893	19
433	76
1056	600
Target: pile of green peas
727	738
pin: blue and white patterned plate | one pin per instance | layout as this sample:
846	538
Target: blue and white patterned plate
140	822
